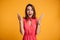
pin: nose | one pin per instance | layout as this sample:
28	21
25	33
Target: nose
29	11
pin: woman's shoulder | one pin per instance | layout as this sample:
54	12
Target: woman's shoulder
36	19
24	18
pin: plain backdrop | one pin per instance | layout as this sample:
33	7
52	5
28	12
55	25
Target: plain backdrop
9	24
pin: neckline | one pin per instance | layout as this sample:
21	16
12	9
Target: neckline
29	18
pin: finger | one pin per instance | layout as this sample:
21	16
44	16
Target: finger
41	16
18	16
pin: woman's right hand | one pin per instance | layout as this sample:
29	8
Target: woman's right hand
19	17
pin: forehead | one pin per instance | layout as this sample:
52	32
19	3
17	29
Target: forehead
29	7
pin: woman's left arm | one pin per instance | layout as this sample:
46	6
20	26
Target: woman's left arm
39	23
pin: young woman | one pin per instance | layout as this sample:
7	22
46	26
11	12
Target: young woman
30	25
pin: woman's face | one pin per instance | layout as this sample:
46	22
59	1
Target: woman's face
29	11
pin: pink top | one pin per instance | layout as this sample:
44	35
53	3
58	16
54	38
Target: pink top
30	30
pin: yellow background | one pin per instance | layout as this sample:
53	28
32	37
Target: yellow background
9	25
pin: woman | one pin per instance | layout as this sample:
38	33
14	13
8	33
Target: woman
30	25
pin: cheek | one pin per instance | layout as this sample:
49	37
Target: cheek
27	11
31	12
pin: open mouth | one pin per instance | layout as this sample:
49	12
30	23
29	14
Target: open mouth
30	14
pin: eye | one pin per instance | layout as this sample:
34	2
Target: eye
28	9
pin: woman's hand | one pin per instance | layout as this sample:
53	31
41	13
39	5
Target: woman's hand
19	17
40	18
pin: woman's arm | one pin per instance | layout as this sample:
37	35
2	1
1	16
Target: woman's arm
39	23
38	27
21	24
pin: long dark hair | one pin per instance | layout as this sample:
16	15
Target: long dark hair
34	13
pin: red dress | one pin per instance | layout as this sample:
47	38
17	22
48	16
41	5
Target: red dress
30	30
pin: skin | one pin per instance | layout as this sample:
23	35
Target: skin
21	24
30	14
